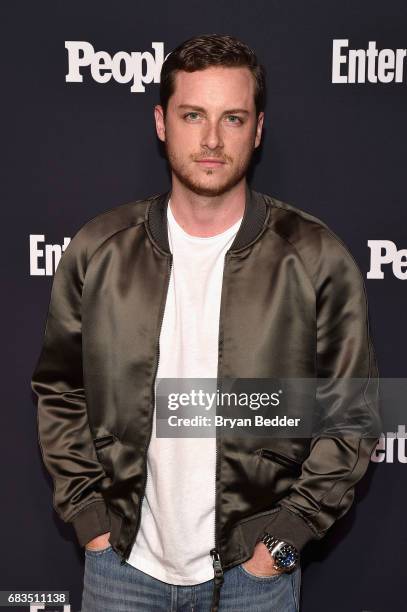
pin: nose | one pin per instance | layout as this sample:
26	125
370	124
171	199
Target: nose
212	136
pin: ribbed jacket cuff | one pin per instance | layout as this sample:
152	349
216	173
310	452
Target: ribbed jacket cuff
91	522
291	528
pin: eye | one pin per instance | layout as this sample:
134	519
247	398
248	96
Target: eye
191	113
236	119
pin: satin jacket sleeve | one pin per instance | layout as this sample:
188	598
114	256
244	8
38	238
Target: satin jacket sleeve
64	436
325	489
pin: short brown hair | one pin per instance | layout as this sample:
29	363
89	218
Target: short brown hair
207	50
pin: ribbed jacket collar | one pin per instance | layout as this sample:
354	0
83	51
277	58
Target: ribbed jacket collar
254	217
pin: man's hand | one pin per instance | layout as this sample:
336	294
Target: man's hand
261	563
99	543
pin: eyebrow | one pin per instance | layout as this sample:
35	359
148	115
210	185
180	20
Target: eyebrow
202	110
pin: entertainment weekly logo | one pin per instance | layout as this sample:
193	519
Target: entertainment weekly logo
44	258
136	67
391	447
366	65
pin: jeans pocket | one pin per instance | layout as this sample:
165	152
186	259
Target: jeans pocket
271	578
97	552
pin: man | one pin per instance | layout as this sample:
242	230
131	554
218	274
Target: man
211	280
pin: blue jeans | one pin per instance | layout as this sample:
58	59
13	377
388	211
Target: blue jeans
109	586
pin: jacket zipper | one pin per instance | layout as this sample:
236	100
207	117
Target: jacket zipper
130	546
216	560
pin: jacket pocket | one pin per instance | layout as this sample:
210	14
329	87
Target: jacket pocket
283	460
103	441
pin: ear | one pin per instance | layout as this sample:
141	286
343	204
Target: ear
259	129
159	121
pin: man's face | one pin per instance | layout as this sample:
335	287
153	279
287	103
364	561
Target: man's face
210	130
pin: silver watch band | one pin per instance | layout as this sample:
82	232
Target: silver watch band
274	545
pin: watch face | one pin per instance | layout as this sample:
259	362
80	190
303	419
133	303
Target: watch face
286	557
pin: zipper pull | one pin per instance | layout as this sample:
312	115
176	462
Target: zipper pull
217	566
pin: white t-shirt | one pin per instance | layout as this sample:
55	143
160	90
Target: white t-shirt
177	528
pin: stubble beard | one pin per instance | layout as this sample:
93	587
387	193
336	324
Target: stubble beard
192	182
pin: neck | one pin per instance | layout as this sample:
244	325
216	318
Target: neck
206	216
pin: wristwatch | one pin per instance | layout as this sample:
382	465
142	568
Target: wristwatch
286	556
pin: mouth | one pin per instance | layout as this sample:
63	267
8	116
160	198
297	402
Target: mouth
211	163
